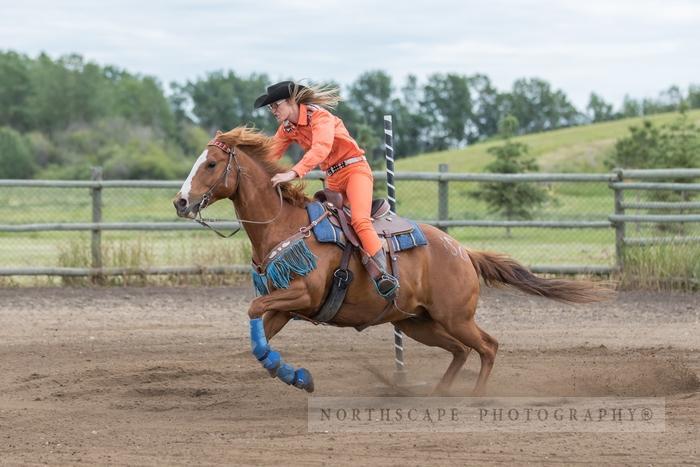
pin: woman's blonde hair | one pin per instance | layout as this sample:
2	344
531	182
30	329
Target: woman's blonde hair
327	96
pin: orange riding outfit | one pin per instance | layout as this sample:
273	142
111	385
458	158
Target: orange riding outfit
326	142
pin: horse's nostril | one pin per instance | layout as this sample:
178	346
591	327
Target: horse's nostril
180	203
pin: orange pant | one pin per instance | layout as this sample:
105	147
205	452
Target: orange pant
355	182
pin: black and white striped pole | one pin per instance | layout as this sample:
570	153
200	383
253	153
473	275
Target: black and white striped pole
400	373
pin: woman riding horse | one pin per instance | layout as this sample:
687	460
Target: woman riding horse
304	120
439	281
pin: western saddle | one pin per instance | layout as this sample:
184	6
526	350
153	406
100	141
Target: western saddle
385	223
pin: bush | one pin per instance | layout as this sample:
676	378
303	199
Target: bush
125	151
16	159
141	160
675	145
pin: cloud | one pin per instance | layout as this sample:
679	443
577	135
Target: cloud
662	12
601	45
446	53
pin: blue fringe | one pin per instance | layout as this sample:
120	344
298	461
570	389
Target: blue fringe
259	282
296	258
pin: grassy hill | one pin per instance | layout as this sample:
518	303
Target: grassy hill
576	149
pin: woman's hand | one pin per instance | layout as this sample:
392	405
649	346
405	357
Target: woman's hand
283	177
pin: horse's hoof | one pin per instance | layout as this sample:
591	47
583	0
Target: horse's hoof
304	380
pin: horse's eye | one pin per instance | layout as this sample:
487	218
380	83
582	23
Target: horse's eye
211	164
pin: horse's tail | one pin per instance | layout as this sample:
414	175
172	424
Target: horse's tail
497	268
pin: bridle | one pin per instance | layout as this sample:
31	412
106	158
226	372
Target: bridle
206	197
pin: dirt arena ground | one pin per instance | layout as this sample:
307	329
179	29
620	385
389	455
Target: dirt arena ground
164	376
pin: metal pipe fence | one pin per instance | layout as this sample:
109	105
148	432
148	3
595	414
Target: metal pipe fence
37	216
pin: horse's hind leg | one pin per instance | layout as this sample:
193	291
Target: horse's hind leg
472	336
433	334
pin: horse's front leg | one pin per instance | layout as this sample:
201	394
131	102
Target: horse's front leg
274	321
276	307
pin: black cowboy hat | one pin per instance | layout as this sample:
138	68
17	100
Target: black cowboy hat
276	92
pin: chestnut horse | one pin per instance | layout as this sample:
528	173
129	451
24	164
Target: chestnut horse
439	283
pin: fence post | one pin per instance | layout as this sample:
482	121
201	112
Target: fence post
619	225
96	236
443	196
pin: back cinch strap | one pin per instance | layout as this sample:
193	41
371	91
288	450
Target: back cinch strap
342	277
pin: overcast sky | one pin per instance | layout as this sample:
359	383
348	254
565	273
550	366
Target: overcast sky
612	47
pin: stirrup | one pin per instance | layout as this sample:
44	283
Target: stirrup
386	279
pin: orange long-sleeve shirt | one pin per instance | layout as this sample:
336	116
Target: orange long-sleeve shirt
321	134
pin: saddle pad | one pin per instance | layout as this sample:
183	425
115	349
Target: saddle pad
326	232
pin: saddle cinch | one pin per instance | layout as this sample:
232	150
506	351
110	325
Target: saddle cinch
396	233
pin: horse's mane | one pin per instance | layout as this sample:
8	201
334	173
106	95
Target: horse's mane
260	147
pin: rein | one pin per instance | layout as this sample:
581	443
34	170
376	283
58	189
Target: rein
224	177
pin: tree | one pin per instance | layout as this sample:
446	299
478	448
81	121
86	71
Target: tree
15	155
370	99
356	122
141	101
671	99
411	124
225	100
447	103
15	89
67	91
486	108
680	148
510	200
668	100
674	145
537	107
598	109
680	143
694	96
631	107
62	107
641	149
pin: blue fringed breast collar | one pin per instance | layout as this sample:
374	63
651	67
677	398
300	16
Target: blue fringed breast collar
289	256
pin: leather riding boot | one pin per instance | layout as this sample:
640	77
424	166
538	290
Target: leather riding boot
386	283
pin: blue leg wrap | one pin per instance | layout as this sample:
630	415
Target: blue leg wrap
258	341
272	361
286	373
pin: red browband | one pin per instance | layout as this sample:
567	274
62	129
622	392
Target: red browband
224	147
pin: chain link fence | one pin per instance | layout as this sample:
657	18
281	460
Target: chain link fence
571	228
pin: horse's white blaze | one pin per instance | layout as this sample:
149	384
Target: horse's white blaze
187	186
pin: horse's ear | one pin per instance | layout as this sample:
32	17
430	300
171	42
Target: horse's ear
218	133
